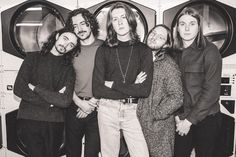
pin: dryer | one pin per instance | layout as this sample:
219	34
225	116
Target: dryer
25	27
219	22
146	17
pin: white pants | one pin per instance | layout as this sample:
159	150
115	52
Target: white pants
114	116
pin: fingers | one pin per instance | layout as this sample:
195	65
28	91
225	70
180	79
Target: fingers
81	114
141	77
62	90
177	120
93	102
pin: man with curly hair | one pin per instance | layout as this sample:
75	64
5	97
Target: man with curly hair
81	117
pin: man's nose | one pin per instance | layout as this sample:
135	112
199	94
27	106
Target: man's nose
120	21
187	27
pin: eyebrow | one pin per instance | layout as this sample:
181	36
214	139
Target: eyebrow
66	37
72	43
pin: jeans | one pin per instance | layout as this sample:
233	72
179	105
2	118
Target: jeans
114	116
76	129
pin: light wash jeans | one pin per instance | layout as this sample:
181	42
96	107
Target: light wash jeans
114	116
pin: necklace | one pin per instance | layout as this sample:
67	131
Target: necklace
127	67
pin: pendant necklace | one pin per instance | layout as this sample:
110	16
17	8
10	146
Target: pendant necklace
127	67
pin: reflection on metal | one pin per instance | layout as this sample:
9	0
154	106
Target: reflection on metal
215	26
33	26
26	26
145	17
34	9
29	24
218	22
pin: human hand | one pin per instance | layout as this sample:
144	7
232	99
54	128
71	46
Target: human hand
141	77
93	102
31	86
177	120
86	107
81	114
109	83
183	127
62	90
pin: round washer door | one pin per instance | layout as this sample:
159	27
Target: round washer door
102	21
31	26
217	25
25	27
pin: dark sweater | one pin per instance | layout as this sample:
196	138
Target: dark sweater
49	75
107	69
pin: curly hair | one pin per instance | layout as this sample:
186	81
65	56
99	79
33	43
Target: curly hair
111	34
47	47
88	17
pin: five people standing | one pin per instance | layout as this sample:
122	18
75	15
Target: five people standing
122	85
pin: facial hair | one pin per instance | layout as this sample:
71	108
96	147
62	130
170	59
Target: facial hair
64	50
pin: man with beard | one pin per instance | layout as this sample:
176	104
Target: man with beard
81	117
45	83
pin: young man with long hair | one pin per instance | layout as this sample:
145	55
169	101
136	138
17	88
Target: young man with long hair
45	83
81	116
117	64
199	120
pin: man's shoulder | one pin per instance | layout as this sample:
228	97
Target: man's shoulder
32	55
98	42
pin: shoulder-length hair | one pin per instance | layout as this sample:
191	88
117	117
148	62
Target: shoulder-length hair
47	47
169	39
200	40
89	18
130	16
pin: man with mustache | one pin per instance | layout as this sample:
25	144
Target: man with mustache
81	117
45	84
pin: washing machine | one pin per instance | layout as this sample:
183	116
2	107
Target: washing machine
145	17
25	26
219	22
219	25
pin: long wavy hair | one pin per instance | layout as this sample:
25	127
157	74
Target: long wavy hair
89	18
111	34
200	40
47	47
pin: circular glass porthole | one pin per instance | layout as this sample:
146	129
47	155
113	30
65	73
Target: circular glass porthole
217	24
32	24
101	15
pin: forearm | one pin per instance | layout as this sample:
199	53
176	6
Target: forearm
55	98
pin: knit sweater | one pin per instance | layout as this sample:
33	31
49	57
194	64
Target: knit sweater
107	68
49	75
